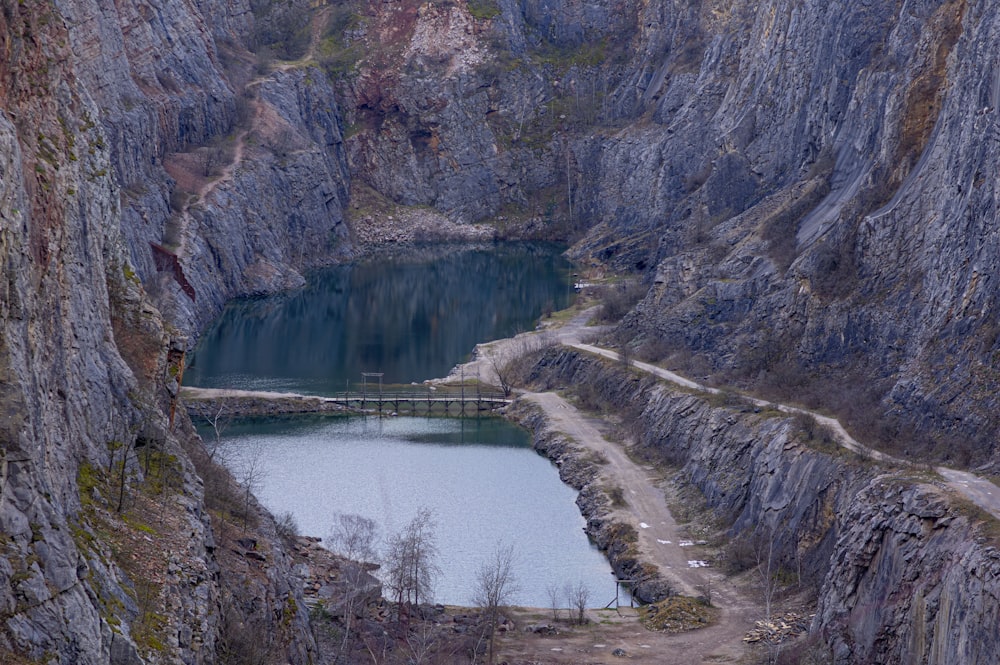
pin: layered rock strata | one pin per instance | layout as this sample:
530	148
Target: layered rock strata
903	570
805	187
109	554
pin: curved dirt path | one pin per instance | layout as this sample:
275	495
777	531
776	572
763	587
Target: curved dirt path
980	491
661	543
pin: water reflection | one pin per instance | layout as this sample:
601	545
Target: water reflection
412	318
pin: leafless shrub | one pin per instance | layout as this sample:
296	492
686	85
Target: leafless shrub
287	526
494	587
250	473
619	299
554	594
578	595
653	350
411	565
353	538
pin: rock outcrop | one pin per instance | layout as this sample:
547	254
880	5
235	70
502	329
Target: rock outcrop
808	186
108	551
903	570
805	187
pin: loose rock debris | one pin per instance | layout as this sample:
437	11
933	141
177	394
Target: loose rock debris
779	629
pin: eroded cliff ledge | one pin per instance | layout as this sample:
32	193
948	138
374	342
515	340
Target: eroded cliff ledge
808	188
805	188
902	569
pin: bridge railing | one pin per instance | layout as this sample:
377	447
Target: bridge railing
419	396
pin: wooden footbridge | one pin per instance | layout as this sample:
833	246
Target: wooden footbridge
429	402
421	402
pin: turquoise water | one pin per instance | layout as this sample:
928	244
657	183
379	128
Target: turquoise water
412	318
480	478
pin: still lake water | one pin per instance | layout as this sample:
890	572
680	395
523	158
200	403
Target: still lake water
413	318
480	478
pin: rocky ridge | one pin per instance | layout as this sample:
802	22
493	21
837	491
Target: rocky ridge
152	164
109	550
804	187
903	570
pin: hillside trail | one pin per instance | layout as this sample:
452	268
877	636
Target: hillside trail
980	491
206	188
660	539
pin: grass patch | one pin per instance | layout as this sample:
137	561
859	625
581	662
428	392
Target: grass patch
587	54
483	10
983	522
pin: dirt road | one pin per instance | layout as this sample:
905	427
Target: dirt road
980	491
661	542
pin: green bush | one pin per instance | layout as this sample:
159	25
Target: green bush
483	10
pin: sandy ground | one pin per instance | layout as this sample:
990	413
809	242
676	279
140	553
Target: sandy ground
595	642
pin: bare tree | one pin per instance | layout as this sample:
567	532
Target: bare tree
494	587
377	647
706	591
766	570
410	561
504	369
251	476
552	589
126	449
420	644
764	539
354	539
504	363
578	595
216	417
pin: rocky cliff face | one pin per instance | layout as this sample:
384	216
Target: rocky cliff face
805	186
904	572
107	550
849	235
232	172
809	188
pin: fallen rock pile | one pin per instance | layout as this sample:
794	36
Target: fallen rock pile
416	225
779	629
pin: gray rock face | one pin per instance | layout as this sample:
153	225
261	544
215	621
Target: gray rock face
278	213
912	583
807	183
242	181
815	190
901	571
93	96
